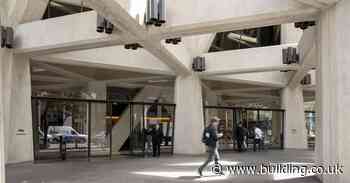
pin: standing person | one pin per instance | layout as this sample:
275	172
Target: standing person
157	136
245	138
240	137
148	141
258	138
210	138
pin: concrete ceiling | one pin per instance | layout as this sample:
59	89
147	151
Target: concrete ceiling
49	76
102	74
222	85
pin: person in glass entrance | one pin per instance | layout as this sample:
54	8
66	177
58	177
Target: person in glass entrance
157	138
210	138
258	138
148	141
240	137
245	138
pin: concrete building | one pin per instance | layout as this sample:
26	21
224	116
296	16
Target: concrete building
57	53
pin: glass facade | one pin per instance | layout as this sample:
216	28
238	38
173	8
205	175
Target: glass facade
247	38
270	121
78	128
310	120
58	8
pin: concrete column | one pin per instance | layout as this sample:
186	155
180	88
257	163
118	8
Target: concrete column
2	125
333	90
295	132
189	122
16	88
15	146
98	91
276	126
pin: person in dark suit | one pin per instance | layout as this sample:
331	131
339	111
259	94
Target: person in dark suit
157	138
148	141
240	137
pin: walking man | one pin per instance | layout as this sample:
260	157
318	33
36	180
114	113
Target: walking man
210	138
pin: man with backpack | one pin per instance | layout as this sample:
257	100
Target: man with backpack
210	138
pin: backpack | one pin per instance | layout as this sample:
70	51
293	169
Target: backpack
206	136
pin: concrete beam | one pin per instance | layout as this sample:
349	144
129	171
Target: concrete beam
138	79
265	79
21	11
193	17
252	95
53	87
242	90
62	34
314	3
50	78
330	2
262	59
128	25
255	100
168	57
75	32
308	56
309	87
114	57
134	85
63	72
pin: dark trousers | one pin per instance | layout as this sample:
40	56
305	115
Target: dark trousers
240	145
213	154
156	148
259	143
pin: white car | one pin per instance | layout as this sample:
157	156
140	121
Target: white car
69	134
50	138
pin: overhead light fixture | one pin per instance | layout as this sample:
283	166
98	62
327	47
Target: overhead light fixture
38	70
245	38
6	37
290	56
304	25
133	46
198	64
173	41
306	80
104	25
155	13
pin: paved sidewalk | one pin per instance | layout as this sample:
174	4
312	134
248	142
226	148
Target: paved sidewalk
155	170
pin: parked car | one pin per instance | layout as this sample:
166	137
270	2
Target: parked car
50	138
69	134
